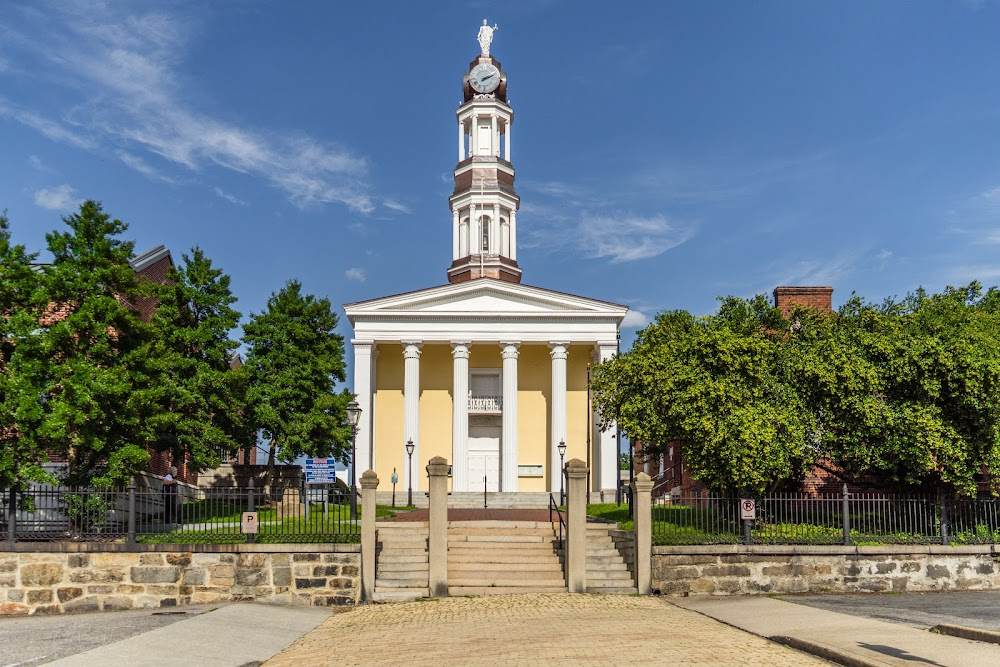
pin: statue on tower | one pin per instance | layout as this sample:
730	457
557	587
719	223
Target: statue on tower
485	37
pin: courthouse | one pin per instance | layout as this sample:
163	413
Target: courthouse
485	370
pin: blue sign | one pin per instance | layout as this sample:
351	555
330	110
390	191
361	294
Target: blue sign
321	471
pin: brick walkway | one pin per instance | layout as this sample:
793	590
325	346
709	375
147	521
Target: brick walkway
535	630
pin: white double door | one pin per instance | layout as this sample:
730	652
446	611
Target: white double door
484	457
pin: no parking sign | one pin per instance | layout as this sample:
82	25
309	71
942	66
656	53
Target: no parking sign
748	509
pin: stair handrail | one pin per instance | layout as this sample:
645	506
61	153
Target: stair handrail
553	506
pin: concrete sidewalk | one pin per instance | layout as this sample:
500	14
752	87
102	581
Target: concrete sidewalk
231	636
849	640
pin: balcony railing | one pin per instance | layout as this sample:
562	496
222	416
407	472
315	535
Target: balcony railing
485	403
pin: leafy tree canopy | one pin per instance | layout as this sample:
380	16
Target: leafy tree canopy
902	394
294	359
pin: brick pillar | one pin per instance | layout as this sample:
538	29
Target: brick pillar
642	487
437	544
576	525
369	483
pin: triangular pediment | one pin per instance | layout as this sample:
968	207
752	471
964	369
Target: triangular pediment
483	296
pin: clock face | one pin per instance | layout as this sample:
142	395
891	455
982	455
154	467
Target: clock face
484	78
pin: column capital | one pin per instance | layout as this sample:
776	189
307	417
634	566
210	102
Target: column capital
558	350
460	349
510	349
361	342
411	349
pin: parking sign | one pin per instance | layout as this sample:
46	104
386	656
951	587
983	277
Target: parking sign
748	509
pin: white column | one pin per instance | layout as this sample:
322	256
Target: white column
509	454
506	143
474	134
495	230
411	410
494	136
374	389
363	395
454	235
513	234
461	140
605	478
460	416
558	421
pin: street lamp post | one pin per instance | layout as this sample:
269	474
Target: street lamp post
353	417
562	473
409	480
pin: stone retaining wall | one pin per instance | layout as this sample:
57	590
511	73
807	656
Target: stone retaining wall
56	582
743	570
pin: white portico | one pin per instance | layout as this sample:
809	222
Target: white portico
485	371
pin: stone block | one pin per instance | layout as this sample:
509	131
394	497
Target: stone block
310	583
206	597
326	571
195	576
784	570
8	565
150	559
41	574
69	593
224	572
725	571
669	573
251	576
350	570
183	559
703	586
281	576
7	581
343	559
302	570
332	600
885	568
340	583
43	596
938	571
305	558
251	560
15	595
130	589
90	603
874	585
162	589
46	610
900	583
280	560
101	589
984	568
12	609
185	590
78	560
117	603
168	602
104	575
155	575
114	560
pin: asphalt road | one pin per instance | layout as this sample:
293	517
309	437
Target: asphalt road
974	609
26	641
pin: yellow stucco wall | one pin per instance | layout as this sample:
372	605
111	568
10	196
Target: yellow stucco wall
436	371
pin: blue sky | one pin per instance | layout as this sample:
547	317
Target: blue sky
666	153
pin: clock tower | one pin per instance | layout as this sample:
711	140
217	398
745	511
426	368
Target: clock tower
484	204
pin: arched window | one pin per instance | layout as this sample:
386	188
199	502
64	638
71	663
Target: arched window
484	226
463	238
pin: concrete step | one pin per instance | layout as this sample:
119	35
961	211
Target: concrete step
506	582
402	567
498	537
401	595
597	578
488	577
400	582
491	524
500	531
607	568
506	567
499	558
401	525
461	545
502	590
614	591
403	552
403	544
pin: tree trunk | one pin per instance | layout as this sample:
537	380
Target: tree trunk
269	475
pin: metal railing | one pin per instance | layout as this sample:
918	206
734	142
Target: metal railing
860	519
563	528
144	515
485	403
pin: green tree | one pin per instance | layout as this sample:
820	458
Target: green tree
294	360
21	397
93	355
200	411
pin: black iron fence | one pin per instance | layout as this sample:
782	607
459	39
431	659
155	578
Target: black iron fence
204	515
859	519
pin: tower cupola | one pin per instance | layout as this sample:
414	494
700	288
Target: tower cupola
484	204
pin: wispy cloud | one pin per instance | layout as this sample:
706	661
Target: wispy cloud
396	206
626	237
357	274
36	163
120	61
143	167
232	199
60	198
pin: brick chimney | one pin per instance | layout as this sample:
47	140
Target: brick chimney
817	298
